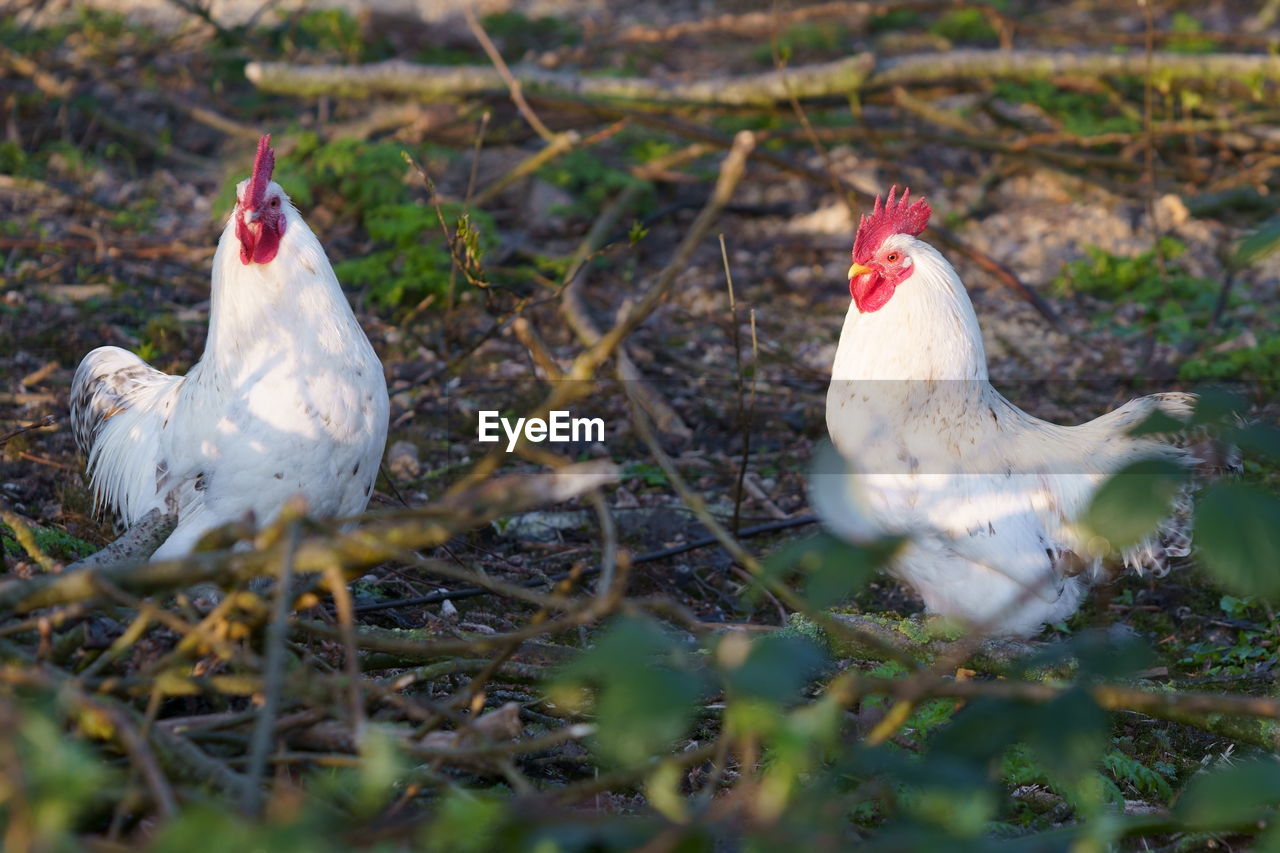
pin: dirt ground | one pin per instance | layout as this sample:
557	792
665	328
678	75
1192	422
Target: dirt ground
113	201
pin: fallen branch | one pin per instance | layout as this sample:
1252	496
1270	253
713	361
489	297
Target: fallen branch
841	78
435	83
1194	709
381	538
137	543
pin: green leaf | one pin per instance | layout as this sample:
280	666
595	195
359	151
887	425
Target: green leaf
645	686
466	822
983	729
777	668
1216	404
1159	422
1259	244
1128	506
1258	440
833	569
1230	796
1098	656
1238	537
1069	736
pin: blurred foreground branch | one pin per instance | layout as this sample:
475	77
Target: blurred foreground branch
384	536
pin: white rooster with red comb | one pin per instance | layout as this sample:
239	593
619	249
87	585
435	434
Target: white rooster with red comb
988	495
288	399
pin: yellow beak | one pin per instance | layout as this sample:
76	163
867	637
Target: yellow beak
857	270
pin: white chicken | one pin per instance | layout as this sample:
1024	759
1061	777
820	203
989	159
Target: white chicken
988	495
288	399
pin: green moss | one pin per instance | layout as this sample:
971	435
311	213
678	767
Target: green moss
799	625
53	541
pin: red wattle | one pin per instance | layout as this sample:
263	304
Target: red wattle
870	291
258	245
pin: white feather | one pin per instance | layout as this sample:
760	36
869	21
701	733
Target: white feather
988	494
288	399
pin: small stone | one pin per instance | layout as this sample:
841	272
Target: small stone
448	610
547	207
1170	212
402	461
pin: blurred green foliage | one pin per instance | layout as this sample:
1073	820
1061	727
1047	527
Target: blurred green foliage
1080	113
964	25
804	42
888	20
53	784
975	775
518	33
592	181
1188	40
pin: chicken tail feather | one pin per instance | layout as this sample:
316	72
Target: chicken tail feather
119	406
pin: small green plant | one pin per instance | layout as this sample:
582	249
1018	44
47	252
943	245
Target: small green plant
895	19
1176	306
412	260
1253	643
646	472
1081	113
1150	781
13	160
1258	362
804	40
519	34
1188	39
966	25
1173	303
329	32
589	179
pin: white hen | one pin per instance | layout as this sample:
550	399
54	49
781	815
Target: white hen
988	494
288	399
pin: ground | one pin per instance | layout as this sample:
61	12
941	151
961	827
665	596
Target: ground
1126	225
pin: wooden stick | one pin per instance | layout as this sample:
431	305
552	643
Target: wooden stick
840	78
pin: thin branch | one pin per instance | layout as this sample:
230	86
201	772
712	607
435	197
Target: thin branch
513	85
648	557
272	678
46	421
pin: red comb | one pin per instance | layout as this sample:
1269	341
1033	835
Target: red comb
263	164
889	218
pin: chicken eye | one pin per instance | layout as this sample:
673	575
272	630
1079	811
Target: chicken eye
275	201
892	257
